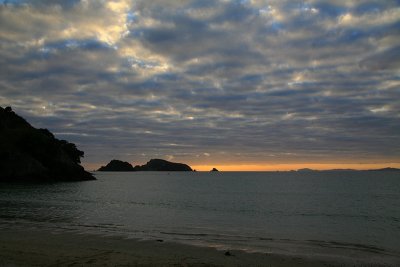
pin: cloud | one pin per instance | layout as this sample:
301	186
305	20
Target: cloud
387	59
252	81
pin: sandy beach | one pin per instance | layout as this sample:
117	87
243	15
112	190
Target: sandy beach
40	248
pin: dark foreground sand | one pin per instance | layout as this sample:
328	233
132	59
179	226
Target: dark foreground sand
40	248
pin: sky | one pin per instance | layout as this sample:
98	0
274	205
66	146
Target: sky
239	85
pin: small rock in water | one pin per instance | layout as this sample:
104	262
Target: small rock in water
160	240
228	253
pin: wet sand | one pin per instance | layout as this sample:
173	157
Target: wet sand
32	247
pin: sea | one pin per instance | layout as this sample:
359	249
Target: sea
337	213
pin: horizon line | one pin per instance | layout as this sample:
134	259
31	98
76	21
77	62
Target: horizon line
276	166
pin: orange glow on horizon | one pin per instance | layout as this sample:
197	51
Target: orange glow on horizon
295	166
277	166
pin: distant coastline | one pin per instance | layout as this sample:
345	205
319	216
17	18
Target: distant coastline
302	170
389	169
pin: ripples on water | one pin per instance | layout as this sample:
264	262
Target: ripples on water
281	212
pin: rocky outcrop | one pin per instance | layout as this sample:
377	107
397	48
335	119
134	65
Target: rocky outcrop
214	170
30	154
163	165
117	166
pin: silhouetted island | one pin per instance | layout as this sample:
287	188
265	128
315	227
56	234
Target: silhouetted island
152	165
117	166
30	154
163	165
214	170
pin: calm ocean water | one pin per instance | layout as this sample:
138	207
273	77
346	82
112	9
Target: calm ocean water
286	212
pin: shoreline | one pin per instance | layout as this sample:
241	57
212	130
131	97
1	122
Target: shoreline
33	247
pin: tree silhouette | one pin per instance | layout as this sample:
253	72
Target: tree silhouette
72	151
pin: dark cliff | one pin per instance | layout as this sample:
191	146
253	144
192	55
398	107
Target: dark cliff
30	154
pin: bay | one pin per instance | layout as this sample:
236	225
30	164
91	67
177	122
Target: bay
281	212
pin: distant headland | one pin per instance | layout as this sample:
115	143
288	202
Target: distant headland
30	154
152	165
388	169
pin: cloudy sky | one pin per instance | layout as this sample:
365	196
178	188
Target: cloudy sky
253	83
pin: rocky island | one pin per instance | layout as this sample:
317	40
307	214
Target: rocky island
30	154
163	165
117	166
152	165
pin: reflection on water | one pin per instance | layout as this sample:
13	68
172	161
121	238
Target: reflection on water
255	211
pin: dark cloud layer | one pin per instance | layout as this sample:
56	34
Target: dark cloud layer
208	81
